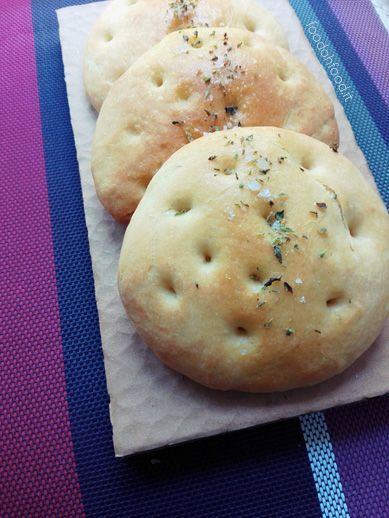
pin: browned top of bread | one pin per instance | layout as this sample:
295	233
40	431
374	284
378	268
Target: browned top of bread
257	261
126	29
192	82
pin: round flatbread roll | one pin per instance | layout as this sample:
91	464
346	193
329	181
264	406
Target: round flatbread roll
257	261
126	29
198	81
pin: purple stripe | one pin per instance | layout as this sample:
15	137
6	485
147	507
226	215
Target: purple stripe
360	441
38	475
368	36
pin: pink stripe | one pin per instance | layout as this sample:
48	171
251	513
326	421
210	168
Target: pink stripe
368	37
38	470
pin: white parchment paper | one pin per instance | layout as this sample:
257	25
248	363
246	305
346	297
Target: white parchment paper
152	406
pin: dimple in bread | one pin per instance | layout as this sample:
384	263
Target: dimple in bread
127	28
196	81
257	261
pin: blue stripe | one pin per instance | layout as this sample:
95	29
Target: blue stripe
365	130
323	465
258	472
356	69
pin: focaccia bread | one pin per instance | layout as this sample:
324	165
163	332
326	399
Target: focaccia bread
128	28
196	81
257	261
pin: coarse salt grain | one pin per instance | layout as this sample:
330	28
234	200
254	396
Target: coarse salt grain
253	185
231	214
264	194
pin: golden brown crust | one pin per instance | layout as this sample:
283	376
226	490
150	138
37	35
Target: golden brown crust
196	81
257	282
126	29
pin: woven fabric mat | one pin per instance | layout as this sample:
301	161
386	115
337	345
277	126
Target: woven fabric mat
57	457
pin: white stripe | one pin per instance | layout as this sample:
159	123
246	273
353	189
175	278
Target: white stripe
323	465
382	8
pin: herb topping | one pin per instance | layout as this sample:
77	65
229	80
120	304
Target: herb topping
270	281
231	110
288	287
277	253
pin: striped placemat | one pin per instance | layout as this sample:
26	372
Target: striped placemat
56	449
